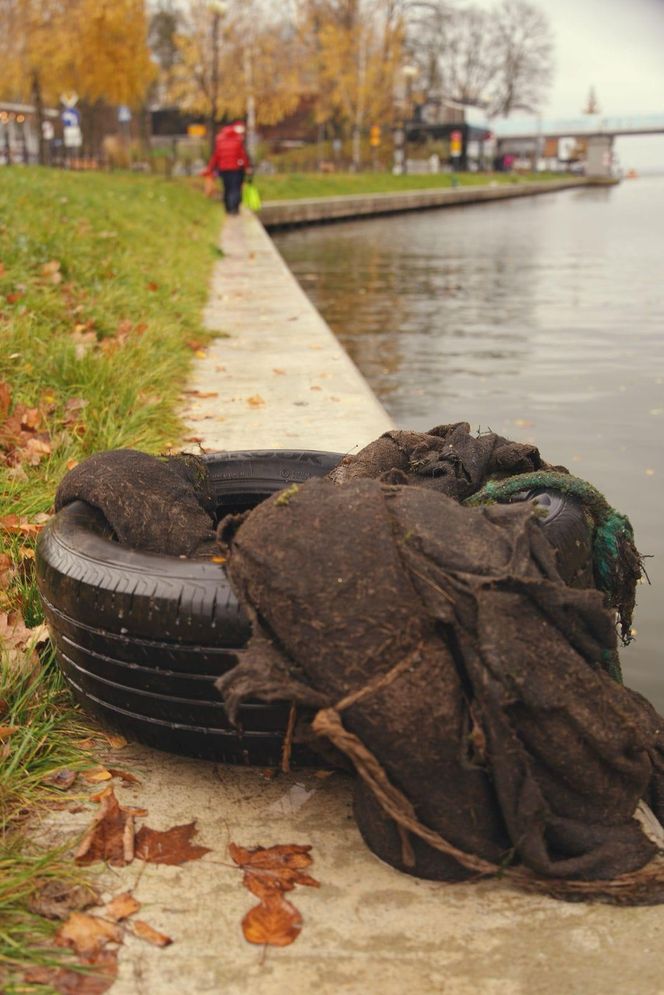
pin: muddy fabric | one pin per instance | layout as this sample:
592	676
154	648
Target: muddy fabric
496	720
156	505
447	459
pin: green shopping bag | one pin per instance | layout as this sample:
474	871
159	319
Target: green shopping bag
251	197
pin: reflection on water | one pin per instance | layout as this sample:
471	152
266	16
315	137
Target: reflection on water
541	318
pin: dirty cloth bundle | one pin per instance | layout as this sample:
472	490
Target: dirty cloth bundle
449	662
156	504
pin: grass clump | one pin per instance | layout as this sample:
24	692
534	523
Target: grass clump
102	285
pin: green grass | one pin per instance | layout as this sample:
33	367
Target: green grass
48	728
287	186
102	283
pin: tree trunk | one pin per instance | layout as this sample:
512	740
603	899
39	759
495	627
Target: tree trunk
39	115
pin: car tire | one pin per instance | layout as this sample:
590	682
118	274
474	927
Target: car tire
141	638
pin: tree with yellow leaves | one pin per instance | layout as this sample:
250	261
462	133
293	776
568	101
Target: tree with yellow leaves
97	48
235	59
355	51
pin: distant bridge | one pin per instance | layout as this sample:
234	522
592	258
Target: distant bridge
527	135
581	127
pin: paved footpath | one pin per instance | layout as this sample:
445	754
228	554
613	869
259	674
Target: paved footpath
368	928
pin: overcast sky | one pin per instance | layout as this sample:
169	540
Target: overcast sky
617	46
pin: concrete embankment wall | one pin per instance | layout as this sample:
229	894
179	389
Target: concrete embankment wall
313	210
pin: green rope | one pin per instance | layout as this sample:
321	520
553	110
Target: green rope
616	561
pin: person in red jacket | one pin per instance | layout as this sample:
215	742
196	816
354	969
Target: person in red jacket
231	161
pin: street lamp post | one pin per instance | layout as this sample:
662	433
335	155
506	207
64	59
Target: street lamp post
402	101
218	9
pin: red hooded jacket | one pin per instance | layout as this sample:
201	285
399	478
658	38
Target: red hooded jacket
229	151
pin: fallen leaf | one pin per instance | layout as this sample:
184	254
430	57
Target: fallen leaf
114	740
98	795
84	342
268	873
7	731
280	373
122	906
273	858
152	286
61	779
87	934
108	835
148	933
255	401
172	846
19	525
275	922
124	775
58	899
19	642
50	268
202	393
103	970
5	399
94	776
200	353
6	570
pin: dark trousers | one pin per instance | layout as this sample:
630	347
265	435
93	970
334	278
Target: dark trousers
232	181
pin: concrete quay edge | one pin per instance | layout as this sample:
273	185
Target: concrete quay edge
368	928
276	214
277	374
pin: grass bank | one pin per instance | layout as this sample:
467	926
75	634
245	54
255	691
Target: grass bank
102	284
292	186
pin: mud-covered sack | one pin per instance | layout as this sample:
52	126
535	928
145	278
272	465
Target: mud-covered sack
447	459
461	676
159	505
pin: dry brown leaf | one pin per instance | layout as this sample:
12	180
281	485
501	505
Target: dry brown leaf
122	906
146	932
103	972
202	393
84	342
274	858
106	839
57	899
105	791
7	572
268	873
20	525
18	642
114	740
87	934
7	731
173	846
255	401
124	775
280	373
94	776
275	922
52	267
61	779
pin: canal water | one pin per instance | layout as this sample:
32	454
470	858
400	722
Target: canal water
540	318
